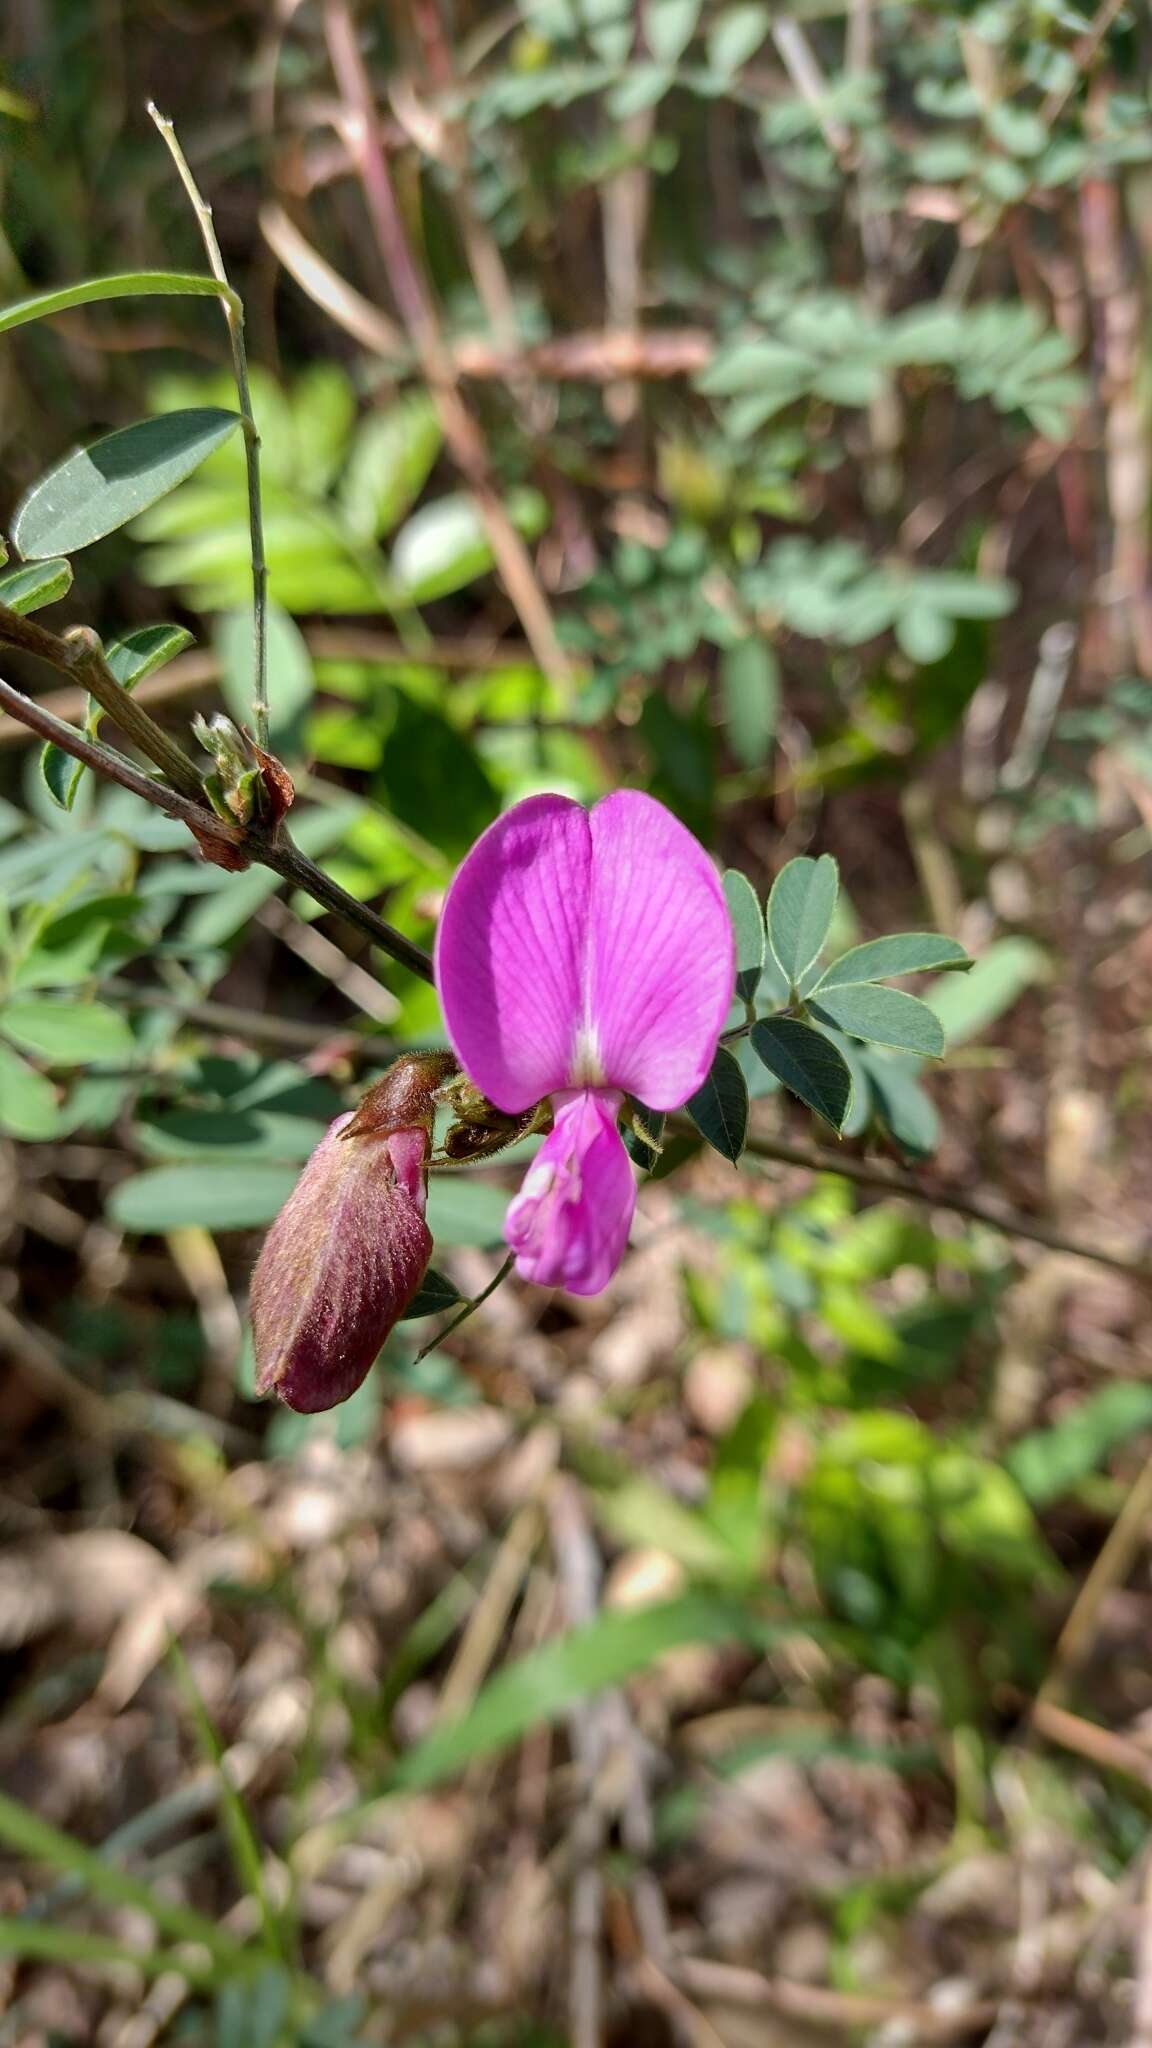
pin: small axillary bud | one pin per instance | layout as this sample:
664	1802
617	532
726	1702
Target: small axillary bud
247	785
479	1130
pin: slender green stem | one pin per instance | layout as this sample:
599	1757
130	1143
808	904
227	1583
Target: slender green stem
234	314
469	1308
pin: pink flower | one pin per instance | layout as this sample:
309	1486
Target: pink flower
584	956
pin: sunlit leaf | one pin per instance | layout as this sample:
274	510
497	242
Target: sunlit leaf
736	35
25	590
129	284
291	682
392	458
445	545
27	1100
141	652
101	488
540	1686
67	1034
247	1196
464	1210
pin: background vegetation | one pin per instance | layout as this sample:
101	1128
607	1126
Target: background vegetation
747	405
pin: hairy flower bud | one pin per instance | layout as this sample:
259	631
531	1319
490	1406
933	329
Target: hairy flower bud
341	1262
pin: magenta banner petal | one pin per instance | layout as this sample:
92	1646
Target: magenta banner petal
509	951
661	966
569	1224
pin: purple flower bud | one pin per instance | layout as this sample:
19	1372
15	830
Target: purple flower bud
341	1262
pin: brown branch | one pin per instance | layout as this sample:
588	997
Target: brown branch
888	1180
287	860
419	316
1125	1540
79	653
277	853
105	761
1099	1746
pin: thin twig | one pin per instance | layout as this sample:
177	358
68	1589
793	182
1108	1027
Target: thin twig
1081	55
420	318
104	760
1111	1568
286	859
199	668
1099	1746
230	1020
324	285
279	854
234	315
79	653
889	1180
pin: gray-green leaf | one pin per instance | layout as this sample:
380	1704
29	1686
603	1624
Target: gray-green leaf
173	1197
885	1016
25	590
67	1034
434	1294
748	926
719	1109
101	488
906	1112
807	1063
750	678
28	1106
800	911
903	953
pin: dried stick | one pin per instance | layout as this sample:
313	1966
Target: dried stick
420	318
1127	1534
818	2005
